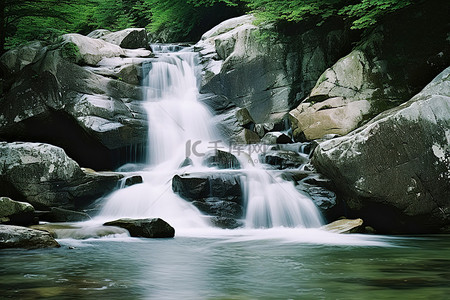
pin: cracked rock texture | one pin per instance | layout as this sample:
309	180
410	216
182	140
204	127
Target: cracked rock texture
394	172
80	94
245	67
27	238
44	176
386	69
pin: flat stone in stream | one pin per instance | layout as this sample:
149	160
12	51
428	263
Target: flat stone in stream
21	237
344	226
148	228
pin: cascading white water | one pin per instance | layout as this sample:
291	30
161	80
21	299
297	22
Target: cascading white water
175	119
274	202
174	114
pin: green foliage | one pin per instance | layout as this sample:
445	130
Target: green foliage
25	20
366	13
70	51
292	10
362	13
185	19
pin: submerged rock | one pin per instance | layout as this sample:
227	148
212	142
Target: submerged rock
74	231
22	237
344	226
226	223
394	171
148	228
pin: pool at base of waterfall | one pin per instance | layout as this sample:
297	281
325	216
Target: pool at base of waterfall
232	266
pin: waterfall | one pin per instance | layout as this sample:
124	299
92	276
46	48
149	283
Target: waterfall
176	119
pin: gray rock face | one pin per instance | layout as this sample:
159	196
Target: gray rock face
57	99
394	171
15	212
221	159
273	138
283	159
148	228
267	76
346	86
193	187
387	68
217	195
15	60
98	33
63	215
22	237
235	124
130	38
44	176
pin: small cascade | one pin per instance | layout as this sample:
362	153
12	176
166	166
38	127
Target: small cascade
274	202
177	123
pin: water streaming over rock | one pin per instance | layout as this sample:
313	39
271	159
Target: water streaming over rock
177	121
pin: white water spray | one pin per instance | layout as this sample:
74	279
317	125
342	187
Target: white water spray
175	119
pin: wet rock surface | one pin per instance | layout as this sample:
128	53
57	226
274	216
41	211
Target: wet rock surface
21	237
394	171
148	228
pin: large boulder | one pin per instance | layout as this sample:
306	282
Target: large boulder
387	68
196	186
148	228
217	195
16	59
90	51
44	176
57	99
264	69
22	237
394	171
15	212
130	38
346	86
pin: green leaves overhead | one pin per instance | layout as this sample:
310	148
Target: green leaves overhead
368	12
24	20
362	14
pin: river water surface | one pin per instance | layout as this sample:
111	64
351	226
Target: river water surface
277	264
